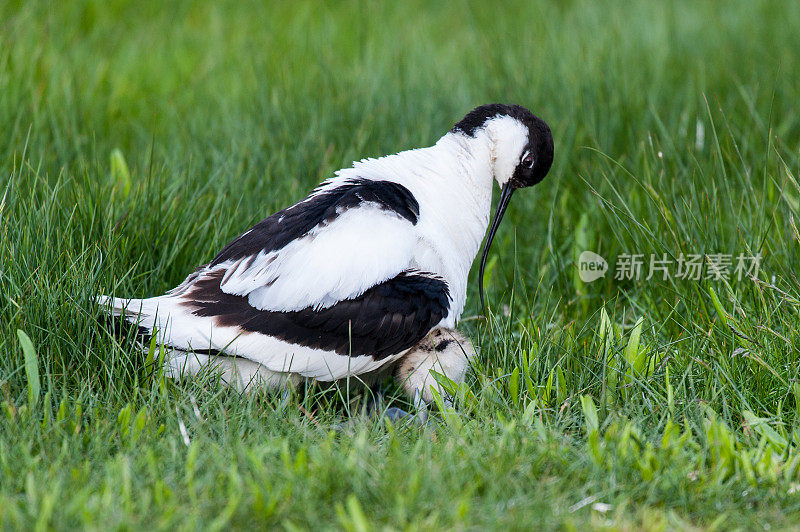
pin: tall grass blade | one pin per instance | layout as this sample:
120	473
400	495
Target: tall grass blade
31	367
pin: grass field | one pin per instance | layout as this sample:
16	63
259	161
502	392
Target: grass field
138	139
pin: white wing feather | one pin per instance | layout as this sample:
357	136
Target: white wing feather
362	247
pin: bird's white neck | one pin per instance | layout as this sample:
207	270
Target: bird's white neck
460	215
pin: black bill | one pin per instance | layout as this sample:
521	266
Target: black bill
505	197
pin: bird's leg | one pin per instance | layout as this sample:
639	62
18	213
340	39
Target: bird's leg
375	400
445	351
376	406
396	414
421	408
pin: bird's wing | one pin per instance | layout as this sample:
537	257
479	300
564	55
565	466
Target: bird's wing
333	246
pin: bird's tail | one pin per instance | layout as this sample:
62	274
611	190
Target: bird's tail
114	306
141	319
165	317
126	317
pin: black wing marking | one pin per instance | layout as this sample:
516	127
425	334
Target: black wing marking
386	319
278	230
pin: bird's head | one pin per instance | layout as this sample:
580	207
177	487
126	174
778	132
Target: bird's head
521	148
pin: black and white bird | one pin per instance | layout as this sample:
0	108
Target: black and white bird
367	274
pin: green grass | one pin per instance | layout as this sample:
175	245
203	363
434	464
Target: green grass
137	139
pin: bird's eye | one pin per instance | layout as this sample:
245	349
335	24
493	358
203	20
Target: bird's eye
527	161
